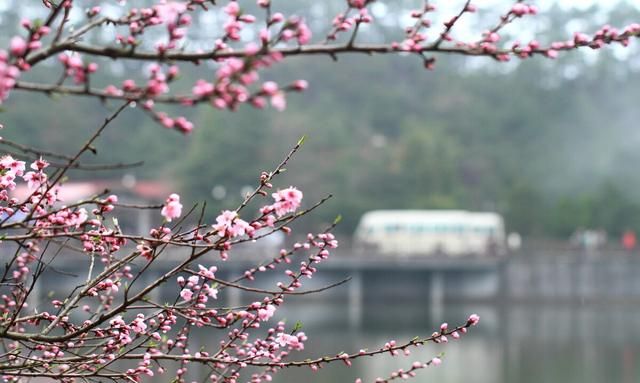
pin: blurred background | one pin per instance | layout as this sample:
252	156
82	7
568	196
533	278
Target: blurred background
550	147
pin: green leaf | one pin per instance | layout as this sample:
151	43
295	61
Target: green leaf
297	327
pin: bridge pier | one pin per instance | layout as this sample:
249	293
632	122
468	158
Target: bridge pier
355	299
34	300
436	296
234	297
155	294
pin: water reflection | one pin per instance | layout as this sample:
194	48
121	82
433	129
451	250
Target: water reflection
525	344
521	343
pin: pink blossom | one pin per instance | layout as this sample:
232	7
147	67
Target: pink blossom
287	200
8	76
202	88
345	358
208	273
436	361
34	179
79	218
270	88
17	46
279	101
12	166
129	85
520	9
232	28
172	208
228	223
138	325
193	280
259	102
581	38
93	11
186	294
266	313
300	85
168	12
145	251
473	319
112	90
39	164
304	33
232	9
293	341
183	125
213	293
492	37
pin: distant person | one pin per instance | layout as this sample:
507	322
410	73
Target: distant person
514	241
602	238
629	240
577	239
591	241
492	246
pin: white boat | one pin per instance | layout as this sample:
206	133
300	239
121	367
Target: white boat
430	232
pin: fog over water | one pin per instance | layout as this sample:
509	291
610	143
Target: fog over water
527	344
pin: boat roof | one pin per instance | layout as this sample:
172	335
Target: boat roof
441	216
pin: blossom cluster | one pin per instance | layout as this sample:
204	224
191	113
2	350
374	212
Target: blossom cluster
80	343
247	41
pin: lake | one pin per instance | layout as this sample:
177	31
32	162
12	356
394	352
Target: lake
592	343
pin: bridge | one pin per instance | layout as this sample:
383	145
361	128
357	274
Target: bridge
542	276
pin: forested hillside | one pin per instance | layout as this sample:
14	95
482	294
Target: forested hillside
548	144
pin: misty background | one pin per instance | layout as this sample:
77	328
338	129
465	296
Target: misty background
551	145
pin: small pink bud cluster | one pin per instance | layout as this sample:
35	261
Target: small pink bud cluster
286	201
74	67
346	22
173	16
9	73
17	46
521	9
93	11
37	177
278	100
228	224
11	169
297	30
294	342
